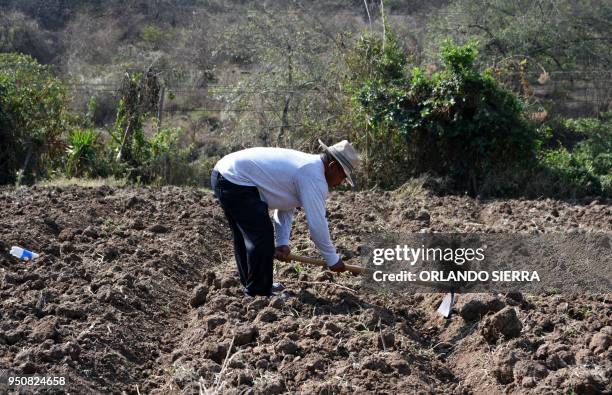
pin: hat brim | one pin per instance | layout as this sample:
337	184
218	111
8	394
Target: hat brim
347	171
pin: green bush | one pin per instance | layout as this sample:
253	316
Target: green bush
85	155
33	118
157	158
202	168
566	175
164	161
457	122
372	65
160	160
587	168
595	146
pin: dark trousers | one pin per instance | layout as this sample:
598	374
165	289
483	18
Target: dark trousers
253	233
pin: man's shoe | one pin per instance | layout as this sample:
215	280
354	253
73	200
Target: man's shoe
276	288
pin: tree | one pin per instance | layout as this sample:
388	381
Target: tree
290	93
560	35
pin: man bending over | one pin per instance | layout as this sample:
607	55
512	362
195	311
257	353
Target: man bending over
249	182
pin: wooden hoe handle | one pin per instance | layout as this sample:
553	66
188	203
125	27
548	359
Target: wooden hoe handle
360	270
321	263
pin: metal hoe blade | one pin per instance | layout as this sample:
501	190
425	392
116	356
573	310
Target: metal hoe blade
447	304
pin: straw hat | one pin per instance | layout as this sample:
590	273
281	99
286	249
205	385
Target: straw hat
346	155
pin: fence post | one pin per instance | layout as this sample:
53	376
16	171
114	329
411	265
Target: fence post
160	107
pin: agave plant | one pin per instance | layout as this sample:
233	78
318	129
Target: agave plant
81	153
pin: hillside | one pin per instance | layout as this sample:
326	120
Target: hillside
197	43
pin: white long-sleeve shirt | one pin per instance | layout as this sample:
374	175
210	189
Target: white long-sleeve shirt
286	179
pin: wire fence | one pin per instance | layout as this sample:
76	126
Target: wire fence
570	92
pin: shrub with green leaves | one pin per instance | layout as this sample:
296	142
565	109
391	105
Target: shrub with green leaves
144	157
595	145
375	63
84	155
587	168
34	115
160	160
165	162
457	122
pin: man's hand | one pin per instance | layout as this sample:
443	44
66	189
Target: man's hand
338	267
282	253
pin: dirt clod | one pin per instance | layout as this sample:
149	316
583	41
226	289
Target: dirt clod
601	341
585	381
423	215
158	228
273	387
533	369
331	328
267	314
244	335
110	253
229	282
70	310
399	364
376	363
216	352
45	329
386	340
258	304
372	318
503	323
198	297
475	306
277	302
137	224
214	322
287	346
503	365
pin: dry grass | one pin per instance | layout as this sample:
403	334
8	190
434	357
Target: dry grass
82	182
412	189
220	383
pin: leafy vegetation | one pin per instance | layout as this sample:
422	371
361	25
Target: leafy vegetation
587	168
162	161
491	115
33	117
41	136
456	122
82	154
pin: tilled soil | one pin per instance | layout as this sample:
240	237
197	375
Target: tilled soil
136	291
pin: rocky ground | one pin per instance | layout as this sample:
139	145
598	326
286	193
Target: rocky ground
135	291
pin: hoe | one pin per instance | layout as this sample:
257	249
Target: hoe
445	307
